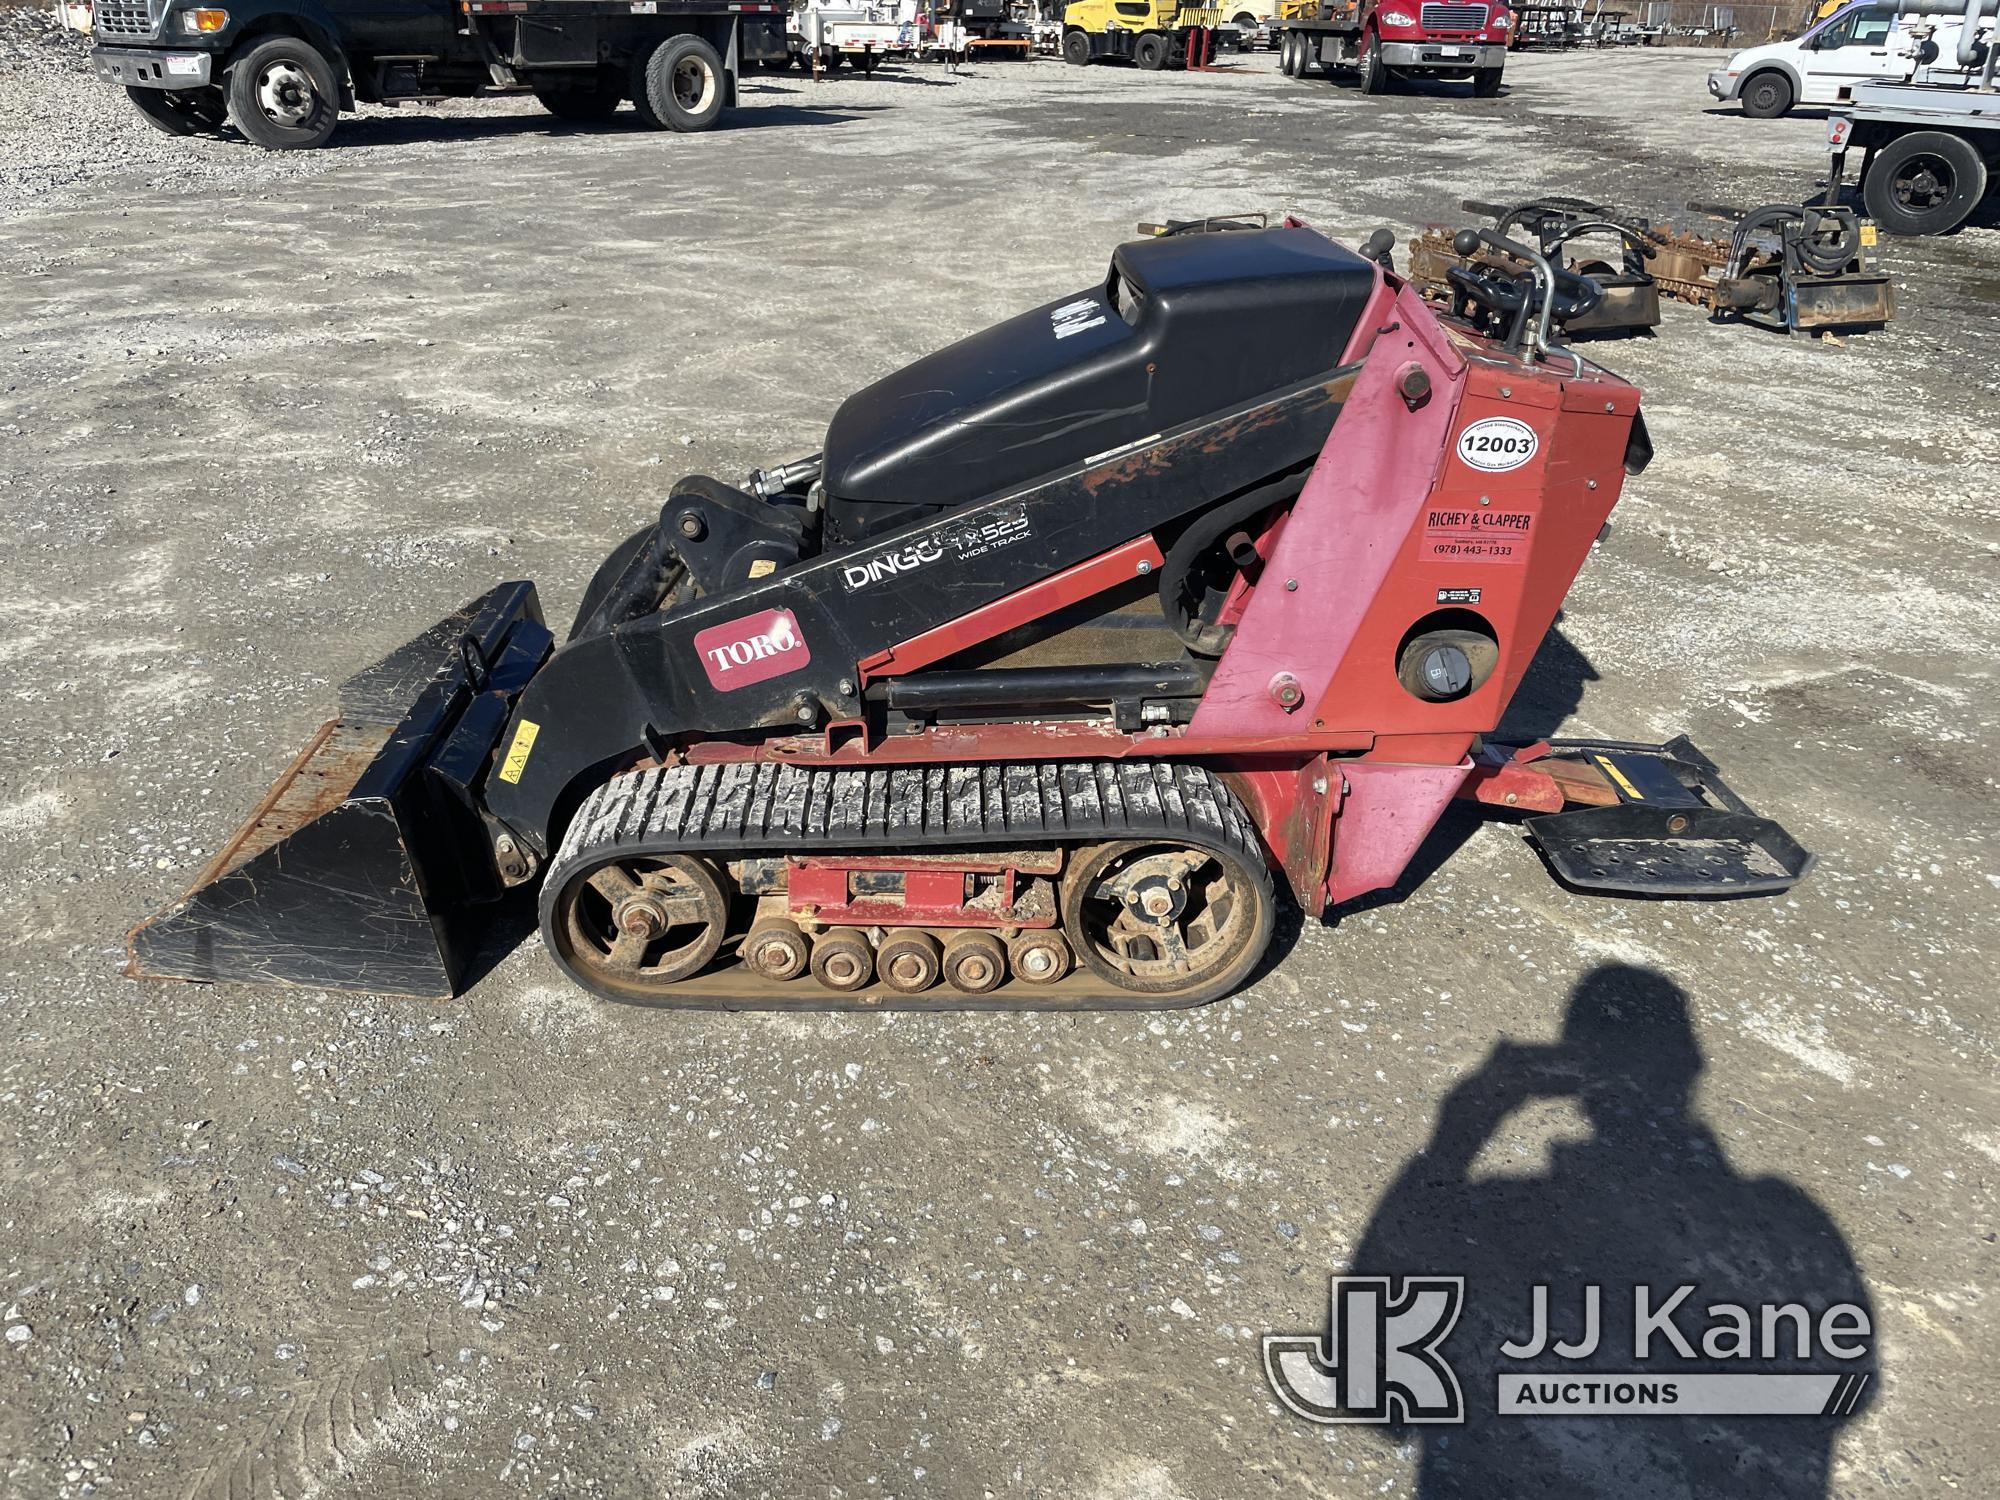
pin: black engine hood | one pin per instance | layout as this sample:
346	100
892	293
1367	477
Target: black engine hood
1183	326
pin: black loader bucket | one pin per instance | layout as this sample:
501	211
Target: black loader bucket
364	867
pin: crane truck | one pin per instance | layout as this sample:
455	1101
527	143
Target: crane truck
1930	151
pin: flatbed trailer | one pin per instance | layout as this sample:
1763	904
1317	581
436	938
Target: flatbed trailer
282	71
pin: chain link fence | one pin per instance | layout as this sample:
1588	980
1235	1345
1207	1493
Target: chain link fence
1663	23
1719	25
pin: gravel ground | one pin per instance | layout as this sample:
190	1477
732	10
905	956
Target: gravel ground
269	415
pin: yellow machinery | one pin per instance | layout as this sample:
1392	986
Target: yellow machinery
1154	34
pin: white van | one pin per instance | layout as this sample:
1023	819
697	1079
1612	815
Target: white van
1860	43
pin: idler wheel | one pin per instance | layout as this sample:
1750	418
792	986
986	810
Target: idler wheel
634	926
1167	919
842	959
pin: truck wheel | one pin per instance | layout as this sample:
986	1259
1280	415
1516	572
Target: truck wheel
679	85
1151	53
283	95
1766	96
1374	77
591	103
181	111
1486	82
1926	182
1076	48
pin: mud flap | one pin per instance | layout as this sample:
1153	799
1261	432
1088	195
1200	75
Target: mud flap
1676	830
366	864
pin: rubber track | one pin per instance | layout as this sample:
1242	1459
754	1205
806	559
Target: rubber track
732	809
773	808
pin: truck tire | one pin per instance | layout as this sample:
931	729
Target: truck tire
678	85
1926	182
181	111
1076	48
1292	55
1374	77
1766	95
586	104
283	95
1486	82
1152	52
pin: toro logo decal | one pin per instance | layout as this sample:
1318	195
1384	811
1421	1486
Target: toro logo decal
1493	445
760	646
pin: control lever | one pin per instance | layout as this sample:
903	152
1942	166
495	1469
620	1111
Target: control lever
1466	244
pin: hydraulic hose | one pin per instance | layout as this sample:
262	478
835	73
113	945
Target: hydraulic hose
1182	614
1827	260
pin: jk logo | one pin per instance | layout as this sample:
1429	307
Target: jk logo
1379	1361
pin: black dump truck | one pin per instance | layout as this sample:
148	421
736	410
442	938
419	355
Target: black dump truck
282	71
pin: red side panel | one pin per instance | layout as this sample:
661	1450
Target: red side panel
1385	815
1461	488
1344	535
1483	499
1503	544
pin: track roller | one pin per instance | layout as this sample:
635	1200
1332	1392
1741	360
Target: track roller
908	960
1039	956
975	961
842	959
776	949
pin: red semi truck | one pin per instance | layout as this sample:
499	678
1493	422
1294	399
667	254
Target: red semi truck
1387	39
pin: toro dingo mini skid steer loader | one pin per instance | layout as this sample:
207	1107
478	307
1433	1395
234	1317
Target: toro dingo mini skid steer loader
1079	643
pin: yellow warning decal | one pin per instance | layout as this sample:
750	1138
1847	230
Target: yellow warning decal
763	567
1867	234
517	753
1609	770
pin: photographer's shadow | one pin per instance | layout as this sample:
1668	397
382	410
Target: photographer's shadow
1650	1199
